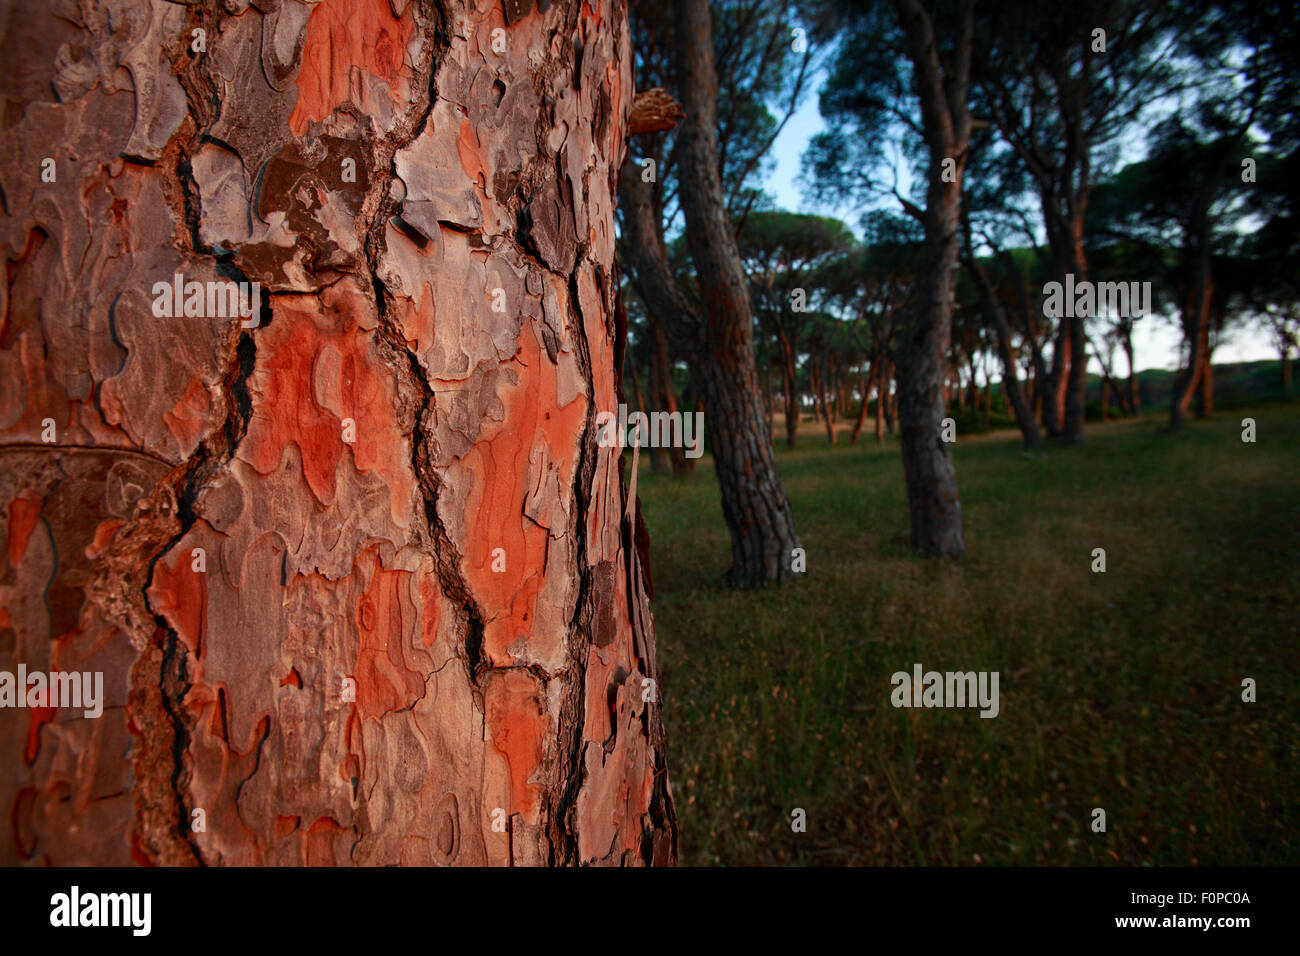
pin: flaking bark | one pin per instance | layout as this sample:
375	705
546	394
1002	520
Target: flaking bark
388	176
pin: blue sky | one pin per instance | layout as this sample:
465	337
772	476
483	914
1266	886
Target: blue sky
1156	339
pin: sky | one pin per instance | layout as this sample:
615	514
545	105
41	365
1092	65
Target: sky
1156	339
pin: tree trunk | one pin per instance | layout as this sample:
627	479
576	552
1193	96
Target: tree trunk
791	387
769	403
359	579
753	500
1056	381
1286	372
1037	377
922	360
1205	390
862	407
891	396
882	383
664	393
996	316
658	456
1134	399
1196	329
819	392
1076	389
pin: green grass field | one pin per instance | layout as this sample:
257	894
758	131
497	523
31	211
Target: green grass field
1120	690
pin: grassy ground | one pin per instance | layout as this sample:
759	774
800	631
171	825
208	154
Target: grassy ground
1119	690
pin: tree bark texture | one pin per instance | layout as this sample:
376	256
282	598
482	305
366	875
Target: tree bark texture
359	579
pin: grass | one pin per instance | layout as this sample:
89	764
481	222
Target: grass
1119	690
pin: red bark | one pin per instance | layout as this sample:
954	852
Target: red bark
418	631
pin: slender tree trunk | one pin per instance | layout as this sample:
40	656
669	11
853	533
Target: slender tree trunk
1039	382
1109	387
1196	329
819	389
891	397
862	408
922	360
1057	380
790	379
882	383
1205	390
361	583
659	463
753	499
769	402
674	320
996	316
1134	399
663	391
1286	372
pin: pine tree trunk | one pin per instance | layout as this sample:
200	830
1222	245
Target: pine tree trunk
1056	381
791	386
769	403
819	390
1196	327
1134	399
922	359
360	581
996	316
661	389
658	454
882	384
865	390
671	315
1076	386
753	499
1205	390
891	396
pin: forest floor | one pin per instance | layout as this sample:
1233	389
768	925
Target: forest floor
1119	690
